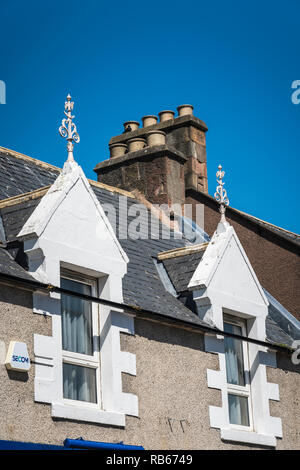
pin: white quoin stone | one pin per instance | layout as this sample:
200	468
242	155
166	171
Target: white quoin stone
69	229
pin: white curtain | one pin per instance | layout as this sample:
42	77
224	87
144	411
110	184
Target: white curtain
238	410
79	383
76	317
234	356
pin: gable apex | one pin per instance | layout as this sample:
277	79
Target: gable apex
38	221
70	181
225	268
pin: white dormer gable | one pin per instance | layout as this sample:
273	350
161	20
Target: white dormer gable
225	279
69	230
69	226
224	283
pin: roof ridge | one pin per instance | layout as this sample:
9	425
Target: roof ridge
23	197
249	215
35	161
182	251
265	222
112	189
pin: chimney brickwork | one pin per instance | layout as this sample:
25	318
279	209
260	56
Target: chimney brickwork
167	158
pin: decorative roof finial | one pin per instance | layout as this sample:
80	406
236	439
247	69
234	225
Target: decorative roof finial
68	129
221	194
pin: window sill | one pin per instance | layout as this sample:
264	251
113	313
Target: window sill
248	437
79	413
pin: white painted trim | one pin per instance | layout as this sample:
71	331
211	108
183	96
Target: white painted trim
242	297
241	390
248	437
49	357
61	410
91	361
266	427
66	181
212	257
212	295
56	237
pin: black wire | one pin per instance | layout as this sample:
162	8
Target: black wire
138	311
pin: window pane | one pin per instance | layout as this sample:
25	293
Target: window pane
79	383
76	317
238	410
234	356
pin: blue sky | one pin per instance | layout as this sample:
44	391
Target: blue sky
234	61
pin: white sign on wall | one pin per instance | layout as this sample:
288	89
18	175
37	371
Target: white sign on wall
17	357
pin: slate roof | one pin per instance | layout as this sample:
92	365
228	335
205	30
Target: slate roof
142	285
20	175
277	335
180	269
9	266
15	216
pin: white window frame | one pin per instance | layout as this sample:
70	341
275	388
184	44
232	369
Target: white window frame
241	390
218	289
265	428
85	360
49	248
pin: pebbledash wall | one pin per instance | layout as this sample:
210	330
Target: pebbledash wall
173	395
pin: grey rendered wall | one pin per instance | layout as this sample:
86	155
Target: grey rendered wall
170	383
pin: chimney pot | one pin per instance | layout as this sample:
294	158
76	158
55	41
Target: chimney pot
134	125
149	120
117	150
137	143
156	137
166	115
185	109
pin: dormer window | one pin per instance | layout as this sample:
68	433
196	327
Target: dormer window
80	331
68	230
237	373
224	283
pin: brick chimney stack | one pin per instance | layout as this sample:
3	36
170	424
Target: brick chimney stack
162	159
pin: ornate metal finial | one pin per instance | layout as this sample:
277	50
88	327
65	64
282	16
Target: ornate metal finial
68	129
221	194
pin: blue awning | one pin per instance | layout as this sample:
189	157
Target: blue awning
69	444
18	445
82	444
